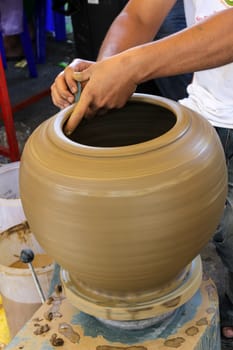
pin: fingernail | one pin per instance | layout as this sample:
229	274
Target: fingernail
68	132
78	76
70	99
73	89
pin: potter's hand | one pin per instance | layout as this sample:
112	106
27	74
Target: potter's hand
108	84
64	88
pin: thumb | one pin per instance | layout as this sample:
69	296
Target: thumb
81	76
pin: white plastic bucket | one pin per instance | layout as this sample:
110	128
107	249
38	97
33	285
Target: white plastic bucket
11	211
20	296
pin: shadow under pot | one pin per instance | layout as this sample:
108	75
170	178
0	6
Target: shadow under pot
125	204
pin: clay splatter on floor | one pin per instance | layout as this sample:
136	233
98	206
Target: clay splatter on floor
191	331
202	322
68	332
174	343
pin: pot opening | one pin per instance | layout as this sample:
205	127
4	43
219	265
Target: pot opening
136	122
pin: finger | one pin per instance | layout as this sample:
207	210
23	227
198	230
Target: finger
93	111
57	99
79	65
70	81
61	88
77	114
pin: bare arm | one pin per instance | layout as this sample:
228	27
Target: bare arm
206	45
112	81
137	24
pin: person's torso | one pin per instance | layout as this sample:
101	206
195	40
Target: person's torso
211	92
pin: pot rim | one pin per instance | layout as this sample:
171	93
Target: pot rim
182	124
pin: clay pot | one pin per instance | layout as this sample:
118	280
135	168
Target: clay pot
130	199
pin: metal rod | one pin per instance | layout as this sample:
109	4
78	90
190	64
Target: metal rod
27	257
37	283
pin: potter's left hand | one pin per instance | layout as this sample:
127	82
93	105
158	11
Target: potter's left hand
64	88
109	84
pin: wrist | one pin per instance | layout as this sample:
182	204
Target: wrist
137	64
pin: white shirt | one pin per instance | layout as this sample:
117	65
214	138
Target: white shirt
211	91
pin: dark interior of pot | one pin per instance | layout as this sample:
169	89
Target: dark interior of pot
136	122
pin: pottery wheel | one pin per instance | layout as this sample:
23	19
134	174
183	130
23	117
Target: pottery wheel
144	309
160	321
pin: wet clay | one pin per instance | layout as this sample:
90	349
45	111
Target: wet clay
131	197
67	330
174	343
56	301
39	261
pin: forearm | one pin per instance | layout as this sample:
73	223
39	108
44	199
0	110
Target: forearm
136	24
206	45
122	35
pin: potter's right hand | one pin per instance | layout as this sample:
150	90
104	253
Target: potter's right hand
64	88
